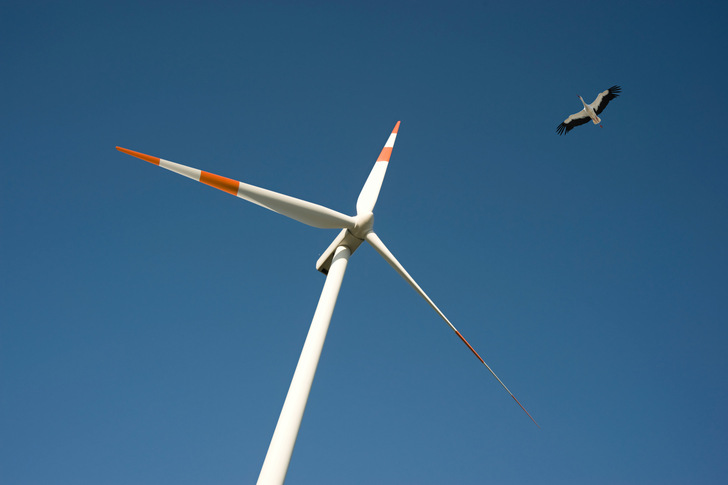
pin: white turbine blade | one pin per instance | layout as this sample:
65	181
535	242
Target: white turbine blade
307	212
370	192
377	243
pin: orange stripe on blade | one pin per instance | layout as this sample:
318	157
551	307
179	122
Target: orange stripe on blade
396	128
148	158
470	346
223	183
384	156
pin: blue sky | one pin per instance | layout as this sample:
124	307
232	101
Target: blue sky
149	325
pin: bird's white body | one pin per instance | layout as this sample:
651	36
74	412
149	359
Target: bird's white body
590	111
354	231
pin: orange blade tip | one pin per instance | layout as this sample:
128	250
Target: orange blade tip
148	158
524	410
396	128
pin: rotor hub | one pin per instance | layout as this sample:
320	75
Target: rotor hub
363	225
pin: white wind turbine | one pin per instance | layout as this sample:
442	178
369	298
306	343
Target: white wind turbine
354	231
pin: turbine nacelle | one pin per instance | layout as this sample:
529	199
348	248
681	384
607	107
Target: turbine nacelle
345	238
351	238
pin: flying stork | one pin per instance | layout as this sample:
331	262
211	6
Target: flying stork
590	111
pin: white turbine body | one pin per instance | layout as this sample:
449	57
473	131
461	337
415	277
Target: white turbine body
354	231
275	465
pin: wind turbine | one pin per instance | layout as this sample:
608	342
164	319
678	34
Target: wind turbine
333	262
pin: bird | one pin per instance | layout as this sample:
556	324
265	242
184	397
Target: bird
590	111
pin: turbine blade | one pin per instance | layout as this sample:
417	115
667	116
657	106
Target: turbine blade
370	192
307	212
377	243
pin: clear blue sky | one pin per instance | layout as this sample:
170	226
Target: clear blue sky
150	325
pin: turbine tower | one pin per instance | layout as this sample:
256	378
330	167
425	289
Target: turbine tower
333	262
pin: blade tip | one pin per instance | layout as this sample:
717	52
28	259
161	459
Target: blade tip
524	410
142	156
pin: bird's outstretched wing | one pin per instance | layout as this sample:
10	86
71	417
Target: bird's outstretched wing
574	120
604	98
